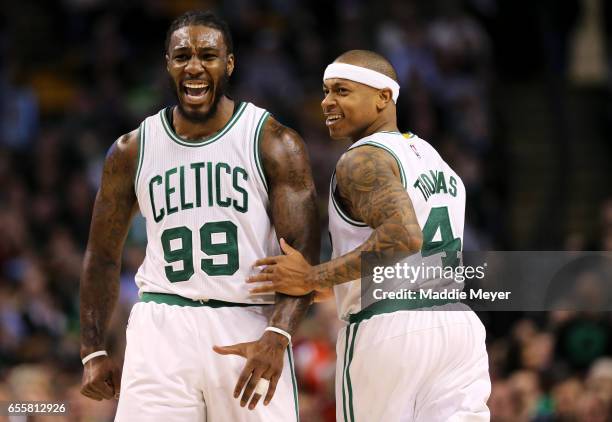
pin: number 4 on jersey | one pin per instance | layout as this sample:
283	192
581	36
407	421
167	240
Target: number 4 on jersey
438	237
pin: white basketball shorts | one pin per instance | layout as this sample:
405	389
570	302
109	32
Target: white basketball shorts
171	372
426	366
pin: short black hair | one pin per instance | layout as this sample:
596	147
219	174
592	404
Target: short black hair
369	59
204	18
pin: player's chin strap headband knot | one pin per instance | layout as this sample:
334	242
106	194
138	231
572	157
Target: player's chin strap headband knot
363	76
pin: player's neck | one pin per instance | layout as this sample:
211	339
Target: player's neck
190	129
379	125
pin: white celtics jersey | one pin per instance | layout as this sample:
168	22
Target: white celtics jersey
438	197
205	205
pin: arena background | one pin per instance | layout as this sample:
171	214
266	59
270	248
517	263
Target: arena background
515	94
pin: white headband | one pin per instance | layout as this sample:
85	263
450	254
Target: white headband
363	76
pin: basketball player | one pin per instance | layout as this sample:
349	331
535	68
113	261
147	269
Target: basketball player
209	175
394	363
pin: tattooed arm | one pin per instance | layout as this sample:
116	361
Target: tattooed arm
295	218
113	210
293	208
370	188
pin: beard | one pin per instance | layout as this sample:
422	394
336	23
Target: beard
200	117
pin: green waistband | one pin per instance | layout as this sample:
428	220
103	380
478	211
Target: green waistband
170	299
391	305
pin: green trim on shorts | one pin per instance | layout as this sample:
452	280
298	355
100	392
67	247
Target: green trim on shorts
348	374
294	382
170	299
386	306
346	343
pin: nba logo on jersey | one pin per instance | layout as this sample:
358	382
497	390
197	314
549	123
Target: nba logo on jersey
413	147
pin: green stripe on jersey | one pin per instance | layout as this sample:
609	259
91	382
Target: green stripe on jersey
406	135
208	140
390	151
337	206
141	144
256	144
345	216
339	209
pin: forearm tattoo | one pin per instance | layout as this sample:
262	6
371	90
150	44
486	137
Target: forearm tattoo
293	210
370	189
113	209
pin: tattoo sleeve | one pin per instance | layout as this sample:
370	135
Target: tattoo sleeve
293	210
370	189
114	207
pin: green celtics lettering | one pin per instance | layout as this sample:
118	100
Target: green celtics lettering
435	183
168	195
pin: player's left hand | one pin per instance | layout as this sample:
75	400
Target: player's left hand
264	360
290	274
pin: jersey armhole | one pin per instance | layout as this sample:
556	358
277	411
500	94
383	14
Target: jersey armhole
256	143
338	207
141	146
390	151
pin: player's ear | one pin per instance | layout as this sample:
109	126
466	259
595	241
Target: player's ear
385	96
230	65
167	62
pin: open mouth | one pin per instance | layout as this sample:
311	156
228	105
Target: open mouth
195	91
332	119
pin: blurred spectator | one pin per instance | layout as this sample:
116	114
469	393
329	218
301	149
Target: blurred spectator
526	390
599	380
604	242
503	403
18	104
565	396
592	408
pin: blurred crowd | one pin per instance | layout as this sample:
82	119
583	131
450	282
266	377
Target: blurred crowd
75	75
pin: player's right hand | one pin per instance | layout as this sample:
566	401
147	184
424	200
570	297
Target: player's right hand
101	379
264	359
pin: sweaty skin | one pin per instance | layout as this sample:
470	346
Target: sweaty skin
196	53
368	187
295	217
114	207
